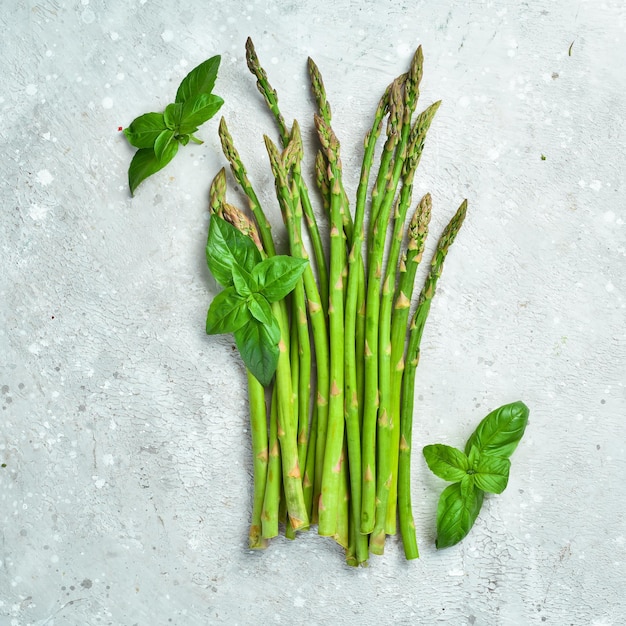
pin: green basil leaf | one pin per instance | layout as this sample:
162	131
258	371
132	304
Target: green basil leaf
473	457
242	280
173	115
228	313
144	164
492	473
184	139
261	310
258	347
200	80
500	432
226	247
278	275
198	110
446	462
144	130
456	513
163	145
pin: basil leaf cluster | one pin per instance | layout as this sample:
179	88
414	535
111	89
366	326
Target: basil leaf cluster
482	468
251	285
158	135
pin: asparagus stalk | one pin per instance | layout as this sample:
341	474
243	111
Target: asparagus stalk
371	393
329	498
388	430
256	391
417	233
271	98
407	524
315	308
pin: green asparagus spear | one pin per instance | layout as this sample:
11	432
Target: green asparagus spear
407	524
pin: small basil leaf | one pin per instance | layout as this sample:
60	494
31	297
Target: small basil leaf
261	310
473	457
278	275
144	130
228	313
456	513
446	462
173	115
198	110
184	139
199	81
500	432
144	164
258	350
467	485
242	280
226	247
492	473
163	144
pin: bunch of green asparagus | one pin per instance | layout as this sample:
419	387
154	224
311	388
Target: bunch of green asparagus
332	432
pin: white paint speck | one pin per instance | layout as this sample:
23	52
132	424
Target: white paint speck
167	36
49	53
112	425
44	177
98	482
88	16
120	76
403	50
493	154
456	572
582	184
107	103
274	60
299	602
609	217
54	558
596	185
464	102
107	459
610	287
38	212
114	36
31	89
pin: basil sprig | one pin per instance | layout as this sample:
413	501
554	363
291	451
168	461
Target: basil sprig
251	284
158	135
483	467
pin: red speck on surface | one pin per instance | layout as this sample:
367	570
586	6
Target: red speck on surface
119	128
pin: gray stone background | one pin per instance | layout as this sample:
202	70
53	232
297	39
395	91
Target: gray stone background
125	488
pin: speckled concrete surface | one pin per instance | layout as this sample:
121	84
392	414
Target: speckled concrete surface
126	476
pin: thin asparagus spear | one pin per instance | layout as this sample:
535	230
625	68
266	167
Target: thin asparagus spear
260	454
241	176
329	498
319	92
353	359
256	391
271	98
388	429
370	396
407	524
316	312
271	501
417	232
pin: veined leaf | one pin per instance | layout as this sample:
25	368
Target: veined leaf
144	164
144	130
242	280
258	347
226	247
278	275
500	432
492	473
261	310
173	115
164	144
197	111
228	313
446	462
456	513
199	81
